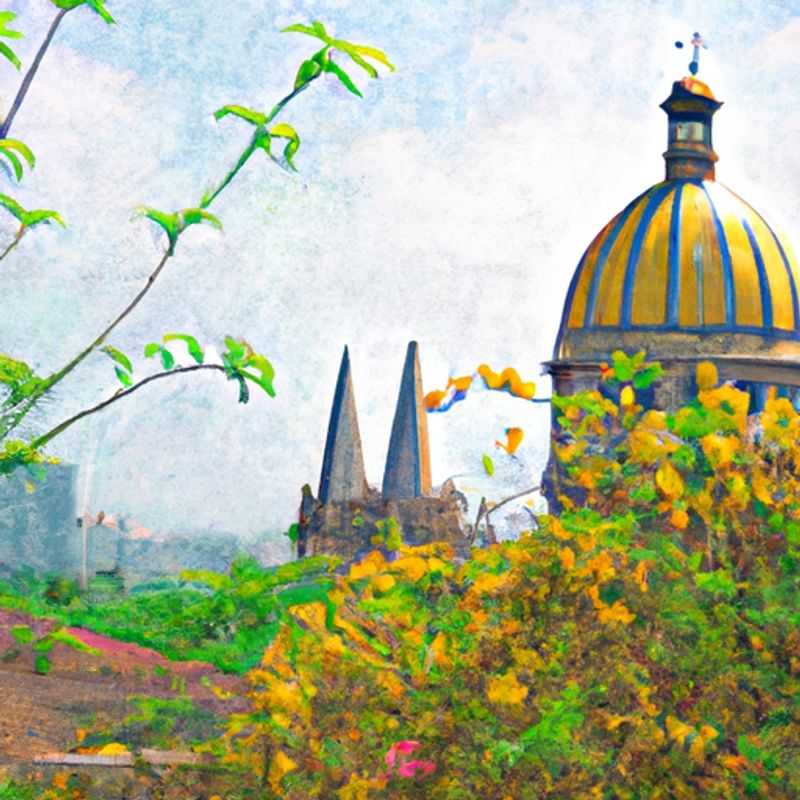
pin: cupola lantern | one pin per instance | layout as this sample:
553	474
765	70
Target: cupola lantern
690	108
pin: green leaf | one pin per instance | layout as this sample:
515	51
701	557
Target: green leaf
22	634
42	664
16	164
9	54
197	216
488	465
195	351
356	53
375	54
237	351
123	376
33	218
168	222
265	370
332	67
151	349
12	206
294	532
175	224
98	6
307	72
21	148
118	356
167	359
253	117
284	131
5	18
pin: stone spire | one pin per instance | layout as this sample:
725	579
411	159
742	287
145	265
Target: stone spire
408	466
343	477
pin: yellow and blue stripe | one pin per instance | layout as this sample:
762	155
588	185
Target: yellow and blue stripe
686	255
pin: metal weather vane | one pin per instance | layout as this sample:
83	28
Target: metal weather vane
697	42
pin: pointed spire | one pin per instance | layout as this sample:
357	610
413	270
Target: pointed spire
408	466
343	477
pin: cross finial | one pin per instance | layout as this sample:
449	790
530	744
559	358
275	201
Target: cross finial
697	42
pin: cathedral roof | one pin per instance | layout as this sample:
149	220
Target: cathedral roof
686	263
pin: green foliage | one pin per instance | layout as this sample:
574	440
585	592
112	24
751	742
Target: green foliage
238	358
15	152
195	351
29	219
176	223
98	6
322	61
6	17
388	533
488	465
293	533
18	378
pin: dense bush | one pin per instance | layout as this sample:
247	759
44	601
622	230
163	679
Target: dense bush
644	644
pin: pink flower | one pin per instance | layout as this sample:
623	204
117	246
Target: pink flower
403	748
409	768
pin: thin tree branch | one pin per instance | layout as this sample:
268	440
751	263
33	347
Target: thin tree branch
251	148
50	381
29	402
289	97
494	508
20	233
61	427
31	73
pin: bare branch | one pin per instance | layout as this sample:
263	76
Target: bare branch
60	428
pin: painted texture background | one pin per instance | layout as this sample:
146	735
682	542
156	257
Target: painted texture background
451	205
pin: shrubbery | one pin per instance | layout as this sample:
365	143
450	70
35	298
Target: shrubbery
644	643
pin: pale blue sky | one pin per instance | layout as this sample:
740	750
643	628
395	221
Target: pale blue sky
450	205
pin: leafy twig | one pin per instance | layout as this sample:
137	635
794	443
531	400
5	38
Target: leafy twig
41	441
31	73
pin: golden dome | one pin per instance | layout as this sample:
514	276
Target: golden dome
688	265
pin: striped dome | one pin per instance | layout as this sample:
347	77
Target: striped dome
686	257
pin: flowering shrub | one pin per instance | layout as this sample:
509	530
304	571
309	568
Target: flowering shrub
644	644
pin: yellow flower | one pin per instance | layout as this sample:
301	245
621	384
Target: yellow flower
627	397
567	557
113	749
413	567
640	574
706	375
506	689
614	721
738	400
281	765
383	583
371	564
616	613
679	519
720	450
669	480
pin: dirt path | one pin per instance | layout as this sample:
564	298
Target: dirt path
40	713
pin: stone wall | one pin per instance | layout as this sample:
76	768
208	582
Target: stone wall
345	529
37	528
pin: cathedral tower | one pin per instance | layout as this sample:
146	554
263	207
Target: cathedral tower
408	467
